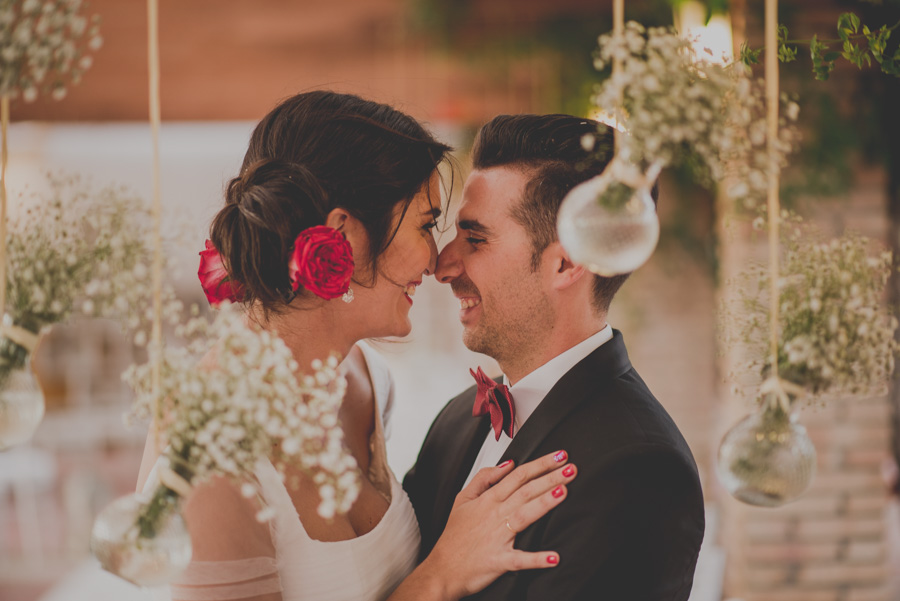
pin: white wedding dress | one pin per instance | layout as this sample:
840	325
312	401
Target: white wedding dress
366	568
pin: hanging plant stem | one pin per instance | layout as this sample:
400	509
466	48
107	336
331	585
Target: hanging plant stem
823	59
4	157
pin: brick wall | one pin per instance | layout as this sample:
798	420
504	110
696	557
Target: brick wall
830	544
833	543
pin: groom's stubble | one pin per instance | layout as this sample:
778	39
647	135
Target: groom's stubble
516	315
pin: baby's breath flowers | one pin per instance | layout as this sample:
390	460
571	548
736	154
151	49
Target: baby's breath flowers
75	250
836	334
44	45
676	104
247	405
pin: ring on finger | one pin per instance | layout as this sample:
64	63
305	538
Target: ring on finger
510	528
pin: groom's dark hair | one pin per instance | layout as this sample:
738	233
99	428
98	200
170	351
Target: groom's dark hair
558	152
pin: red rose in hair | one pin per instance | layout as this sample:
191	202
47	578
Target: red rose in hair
214	279
322	262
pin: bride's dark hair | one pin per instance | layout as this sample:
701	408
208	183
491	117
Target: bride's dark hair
315	152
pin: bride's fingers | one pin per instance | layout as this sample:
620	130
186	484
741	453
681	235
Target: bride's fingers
524	474
539	486
522	560
530	512
484	479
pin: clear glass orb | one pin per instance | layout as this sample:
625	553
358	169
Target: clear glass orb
609	226
767	459
143	560
21	407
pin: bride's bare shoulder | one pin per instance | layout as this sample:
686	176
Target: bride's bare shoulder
359	384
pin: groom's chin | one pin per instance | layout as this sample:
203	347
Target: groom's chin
473	341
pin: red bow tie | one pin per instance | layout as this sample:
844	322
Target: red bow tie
495	399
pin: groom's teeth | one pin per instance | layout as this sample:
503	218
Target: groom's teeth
468	303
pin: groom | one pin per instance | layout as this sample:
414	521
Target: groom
632	522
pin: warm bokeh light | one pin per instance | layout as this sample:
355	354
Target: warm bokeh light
713	40
606	118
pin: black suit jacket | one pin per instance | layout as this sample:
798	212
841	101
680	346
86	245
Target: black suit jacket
631	526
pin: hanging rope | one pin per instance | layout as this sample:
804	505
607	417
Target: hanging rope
618	32
156	332
771	41
4	157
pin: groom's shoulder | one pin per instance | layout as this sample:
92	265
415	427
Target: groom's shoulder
458	407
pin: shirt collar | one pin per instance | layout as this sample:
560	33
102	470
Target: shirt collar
528	392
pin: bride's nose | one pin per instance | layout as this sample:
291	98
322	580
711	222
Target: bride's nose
432	257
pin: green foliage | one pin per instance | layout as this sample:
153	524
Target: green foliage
786	54
848	25
568	33
859	45
823	167
748	55
823	62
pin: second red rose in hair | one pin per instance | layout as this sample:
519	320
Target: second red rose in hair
321	262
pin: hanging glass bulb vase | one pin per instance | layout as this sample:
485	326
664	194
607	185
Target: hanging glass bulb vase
143	538
767	459
21	399
609	223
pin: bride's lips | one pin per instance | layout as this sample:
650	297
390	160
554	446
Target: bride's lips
409	290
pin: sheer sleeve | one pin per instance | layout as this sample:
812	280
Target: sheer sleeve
234	556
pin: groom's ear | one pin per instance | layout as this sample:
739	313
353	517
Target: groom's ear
565	272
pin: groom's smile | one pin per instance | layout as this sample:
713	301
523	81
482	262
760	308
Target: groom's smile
488	265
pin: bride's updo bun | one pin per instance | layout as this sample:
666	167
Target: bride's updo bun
265	207
315	152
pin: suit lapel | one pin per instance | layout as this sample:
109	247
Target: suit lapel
609	361
468	438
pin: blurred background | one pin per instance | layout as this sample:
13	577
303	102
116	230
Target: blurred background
454	64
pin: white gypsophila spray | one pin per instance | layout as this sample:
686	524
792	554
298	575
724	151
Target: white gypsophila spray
248	404
836	332
45	45
78	250
676	105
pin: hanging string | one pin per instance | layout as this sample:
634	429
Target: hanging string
777	388
618	32
156	332
4	157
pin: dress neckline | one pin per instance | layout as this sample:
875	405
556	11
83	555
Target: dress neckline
378	468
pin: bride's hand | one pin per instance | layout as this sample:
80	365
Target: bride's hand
476	547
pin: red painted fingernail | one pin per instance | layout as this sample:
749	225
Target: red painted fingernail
505	463
552	559
568	470
561	456
557	492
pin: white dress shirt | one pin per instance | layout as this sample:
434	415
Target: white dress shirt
528	393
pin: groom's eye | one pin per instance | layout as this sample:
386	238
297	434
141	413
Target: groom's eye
474	241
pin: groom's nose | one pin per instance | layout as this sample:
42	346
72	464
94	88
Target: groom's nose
449	265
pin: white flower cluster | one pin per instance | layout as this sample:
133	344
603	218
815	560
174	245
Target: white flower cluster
249	405
75	248
675	105
43	45
836	333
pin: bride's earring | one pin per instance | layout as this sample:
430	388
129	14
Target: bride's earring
348	296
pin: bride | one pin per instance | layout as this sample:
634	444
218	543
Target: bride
337	169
